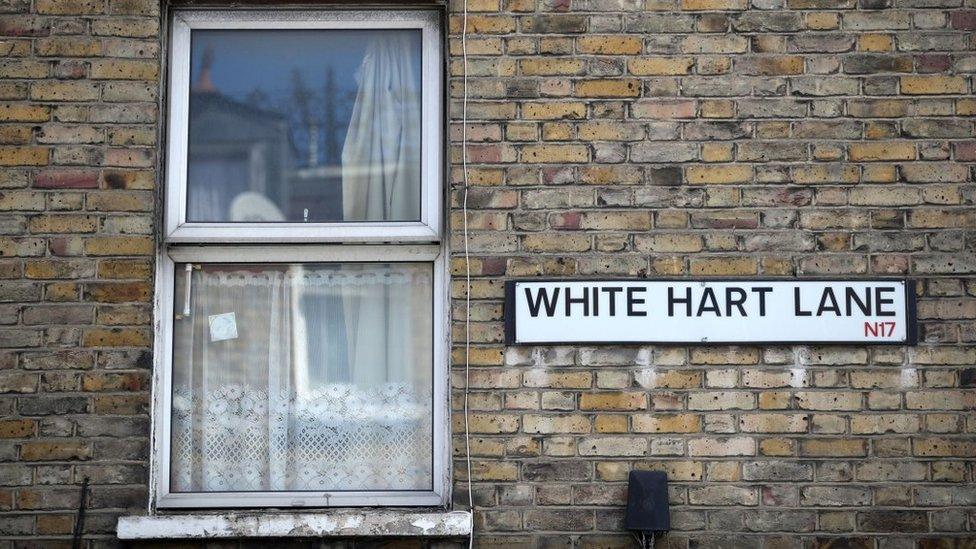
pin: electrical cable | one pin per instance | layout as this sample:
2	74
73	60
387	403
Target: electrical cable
467	258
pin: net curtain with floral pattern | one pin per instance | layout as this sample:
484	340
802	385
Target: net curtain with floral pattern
323	380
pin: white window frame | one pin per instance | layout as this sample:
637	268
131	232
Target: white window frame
437	496
278	243
427	229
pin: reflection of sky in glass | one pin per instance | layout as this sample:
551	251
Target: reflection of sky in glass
259	67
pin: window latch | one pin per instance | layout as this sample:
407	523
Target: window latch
186	294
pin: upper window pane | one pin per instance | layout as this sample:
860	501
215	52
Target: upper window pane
301	126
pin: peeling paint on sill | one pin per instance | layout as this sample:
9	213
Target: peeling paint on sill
345	523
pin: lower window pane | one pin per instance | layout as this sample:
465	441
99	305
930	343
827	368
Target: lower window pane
302	377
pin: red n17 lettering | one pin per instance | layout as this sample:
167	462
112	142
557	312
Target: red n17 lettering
879	329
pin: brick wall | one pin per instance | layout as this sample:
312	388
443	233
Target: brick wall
608	137
668	138
78	131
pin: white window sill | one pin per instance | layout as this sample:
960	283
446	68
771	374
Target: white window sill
339	523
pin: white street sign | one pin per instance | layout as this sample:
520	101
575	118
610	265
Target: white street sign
710	311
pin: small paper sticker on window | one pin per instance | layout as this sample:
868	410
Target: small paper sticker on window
223	326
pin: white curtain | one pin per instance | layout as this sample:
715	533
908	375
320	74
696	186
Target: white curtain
381	181
301	399
381	154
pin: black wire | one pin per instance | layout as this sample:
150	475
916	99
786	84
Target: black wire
642	539
80	521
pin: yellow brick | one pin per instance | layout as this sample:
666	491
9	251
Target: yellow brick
478	46
715	266
671	219
15	48
667	423
773	130
484	24
777	447
24	156
667	266
540	154
609	131
482	5
827	151
541	66
70	46
22	68
875	42
776	266
668	243
729	173
125	268
610	424
552	131
660	66
879	173
702	5
717	108
521	131
882	151
771	66
717	152
485	176
64	91
545	424
63	224
491	471
16	428
829	173
966	107
119	245
610	221
549	111
55	451
557	379
774	400
606	175
70	7
124	69
714	43
822	21
17	112
875	130
933	85
773	423
611	45
117	337
550	242
617	400
825	447
722	356
487	423
608	88
127	405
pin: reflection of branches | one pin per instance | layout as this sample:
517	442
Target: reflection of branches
316	119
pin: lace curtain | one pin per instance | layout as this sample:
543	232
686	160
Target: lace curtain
326	384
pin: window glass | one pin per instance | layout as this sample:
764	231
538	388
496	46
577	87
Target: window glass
304	126
302	377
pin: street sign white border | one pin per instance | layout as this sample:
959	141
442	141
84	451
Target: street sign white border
511	332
